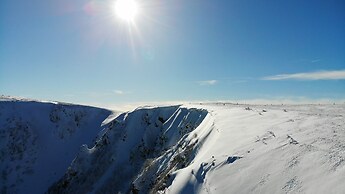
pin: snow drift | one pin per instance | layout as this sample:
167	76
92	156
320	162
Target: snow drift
269	149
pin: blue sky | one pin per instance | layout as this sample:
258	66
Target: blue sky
79	51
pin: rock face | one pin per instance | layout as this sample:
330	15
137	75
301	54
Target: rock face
39	140
137	153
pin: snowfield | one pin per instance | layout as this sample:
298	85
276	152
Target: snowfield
38	141
269	149
190	148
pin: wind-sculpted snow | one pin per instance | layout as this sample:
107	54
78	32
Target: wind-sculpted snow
207	148
137	152
269	149
39	140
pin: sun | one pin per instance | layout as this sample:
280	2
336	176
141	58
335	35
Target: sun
126	9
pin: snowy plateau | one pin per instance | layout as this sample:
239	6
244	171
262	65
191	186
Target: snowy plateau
52	147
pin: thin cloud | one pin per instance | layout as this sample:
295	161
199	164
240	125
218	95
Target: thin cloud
119	92
316	60
317	75
207	82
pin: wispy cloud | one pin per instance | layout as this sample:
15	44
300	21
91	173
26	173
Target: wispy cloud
288	100
207	82
315	60
109	93
119	92
317	75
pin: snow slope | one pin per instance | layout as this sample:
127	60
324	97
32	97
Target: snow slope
137	152
193	148
38	141
269	149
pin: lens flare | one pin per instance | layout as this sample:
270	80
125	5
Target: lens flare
126	9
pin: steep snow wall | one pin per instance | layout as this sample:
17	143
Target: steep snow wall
138	152
39	140
269	149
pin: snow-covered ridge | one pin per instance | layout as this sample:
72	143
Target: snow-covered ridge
38	140
269	149
138	152
195	148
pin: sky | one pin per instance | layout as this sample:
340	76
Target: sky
174	50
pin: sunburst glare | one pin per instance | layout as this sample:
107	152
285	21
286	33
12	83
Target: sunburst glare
126	10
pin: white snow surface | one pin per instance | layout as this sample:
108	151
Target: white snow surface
38	141
190	148
269	149
136	152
